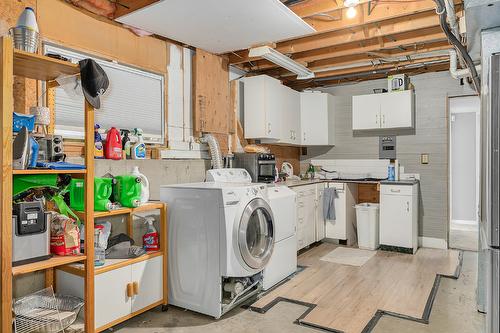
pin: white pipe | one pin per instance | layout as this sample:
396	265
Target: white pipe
459	73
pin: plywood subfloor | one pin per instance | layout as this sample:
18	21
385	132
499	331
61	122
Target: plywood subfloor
346	298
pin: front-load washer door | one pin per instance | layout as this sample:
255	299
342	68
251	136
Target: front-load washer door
256	234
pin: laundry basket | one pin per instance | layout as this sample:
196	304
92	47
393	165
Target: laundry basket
367	216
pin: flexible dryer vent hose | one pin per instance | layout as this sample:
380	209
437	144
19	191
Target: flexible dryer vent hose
215	153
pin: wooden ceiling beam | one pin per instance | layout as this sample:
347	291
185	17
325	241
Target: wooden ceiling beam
404	39
381	29
124	7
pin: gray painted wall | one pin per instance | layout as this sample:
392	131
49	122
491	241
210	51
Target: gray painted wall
430	136
463	166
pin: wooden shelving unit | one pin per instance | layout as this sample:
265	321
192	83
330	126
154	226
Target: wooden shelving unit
38	67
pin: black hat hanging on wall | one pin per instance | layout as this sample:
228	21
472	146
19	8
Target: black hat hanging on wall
95	82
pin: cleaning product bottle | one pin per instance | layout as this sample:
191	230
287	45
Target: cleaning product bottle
144	183
98	148
113	145
127	190
126	144
150	238
139	148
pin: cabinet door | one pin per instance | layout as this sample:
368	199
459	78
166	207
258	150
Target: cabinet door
396	109
366	112
320	221
148	275
275	96
396	227
111	300
310	219
314	118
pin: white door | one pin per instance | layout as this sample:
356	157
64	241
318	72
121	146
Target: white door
396	227
366	112
111	300
274	108
314	118
148	275
396	109
336	229
320	221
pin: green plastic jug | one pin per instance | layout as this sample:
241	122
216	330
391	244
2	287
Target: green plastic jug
102	192
127	190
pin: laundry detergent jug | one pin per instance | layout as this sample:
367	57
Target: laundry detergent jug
113	145
127	190
144	185
103	188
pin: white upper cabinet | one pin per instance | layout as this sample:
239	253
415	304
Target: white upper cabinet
263	103
290	126
384	111
317	119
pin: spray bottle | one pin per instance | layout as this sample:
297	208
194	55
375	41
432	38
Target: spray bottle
98	147
150	239
139	148
126	144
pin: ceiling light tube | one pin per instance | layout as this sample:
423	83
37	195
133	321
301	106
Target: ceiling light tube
281	60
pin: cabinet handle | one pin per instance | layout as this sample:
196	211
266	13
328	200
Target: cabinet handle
135	287
395	191
268	128
383	120
304	136
408	206
130	290
376	119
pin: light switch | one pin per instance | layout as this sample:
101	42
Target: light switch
424	158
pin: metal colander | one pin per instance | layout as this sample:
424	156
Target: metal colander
25	39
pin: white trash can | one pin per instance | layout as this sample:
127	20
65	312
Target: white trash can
367	217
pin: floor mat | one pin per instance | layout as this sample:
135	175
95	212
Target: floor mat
347	299
349	256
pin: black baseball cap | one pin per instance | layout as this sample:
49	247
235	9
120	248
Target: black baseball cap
95	82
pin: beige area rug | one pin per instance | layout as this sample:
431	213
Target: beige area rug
346	298
349	256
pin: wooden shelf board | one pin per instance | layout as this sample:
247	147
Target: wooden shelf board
111	264
48	172
39	67
125	210
45	264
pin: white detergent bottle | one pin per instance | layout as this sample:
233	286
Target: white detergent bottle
144	183
139	148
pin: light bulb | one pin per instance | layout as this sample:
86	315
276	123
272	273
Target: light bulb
351	12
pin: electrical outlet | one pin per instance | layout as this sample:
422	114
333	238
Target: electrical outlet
424	158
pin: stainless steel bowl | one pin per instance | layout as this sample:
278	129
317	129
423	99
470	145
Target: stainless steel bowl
25	39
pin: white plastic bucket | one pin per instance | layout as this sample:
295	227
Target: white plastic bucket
367	216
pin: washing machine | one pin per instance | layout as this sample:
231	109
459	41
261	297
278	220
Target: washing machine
220	238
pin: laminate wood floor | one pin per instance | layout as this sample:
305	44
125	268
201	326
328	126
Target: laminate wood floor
345	298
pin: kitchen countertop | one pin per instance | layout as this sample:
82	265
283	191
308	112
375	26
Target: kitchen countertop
293	183
399	182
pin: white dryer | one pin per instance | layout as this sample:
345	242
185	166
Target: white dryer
283	263
221	236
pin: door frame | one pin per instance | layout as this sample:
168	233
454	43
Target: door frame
478	158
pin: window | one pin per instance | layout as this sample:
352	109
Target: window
135	98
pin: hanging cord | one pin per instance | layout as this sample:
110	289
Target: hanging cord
440	9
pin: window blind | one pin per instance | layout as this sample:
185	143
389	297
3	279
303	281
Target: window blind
135	98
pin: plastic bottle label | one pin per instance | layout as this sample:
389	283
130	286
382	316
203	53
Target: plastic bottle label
150	241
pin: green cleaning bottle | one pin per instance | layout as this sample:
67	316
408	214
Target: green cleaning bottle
127	190
102	192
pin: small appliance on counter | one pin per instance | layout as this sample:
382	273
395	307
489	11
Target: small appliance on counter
260	166
398	82
30	233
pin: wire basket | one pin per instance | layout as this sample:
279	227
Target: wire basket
44	312
25	39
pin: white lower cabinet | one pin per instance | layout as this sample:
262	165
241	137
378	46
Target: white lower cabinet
310	222
120	292
399	216
343	227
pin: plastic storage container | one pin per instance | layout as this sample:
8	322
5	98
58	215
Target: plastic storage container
367	217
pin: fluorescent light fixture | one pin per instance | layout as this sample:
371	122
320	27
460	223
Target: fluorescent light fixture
281	60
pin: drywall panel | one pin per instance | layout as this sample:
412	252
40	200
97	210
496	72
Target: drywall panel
430	136
99	37
220	26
